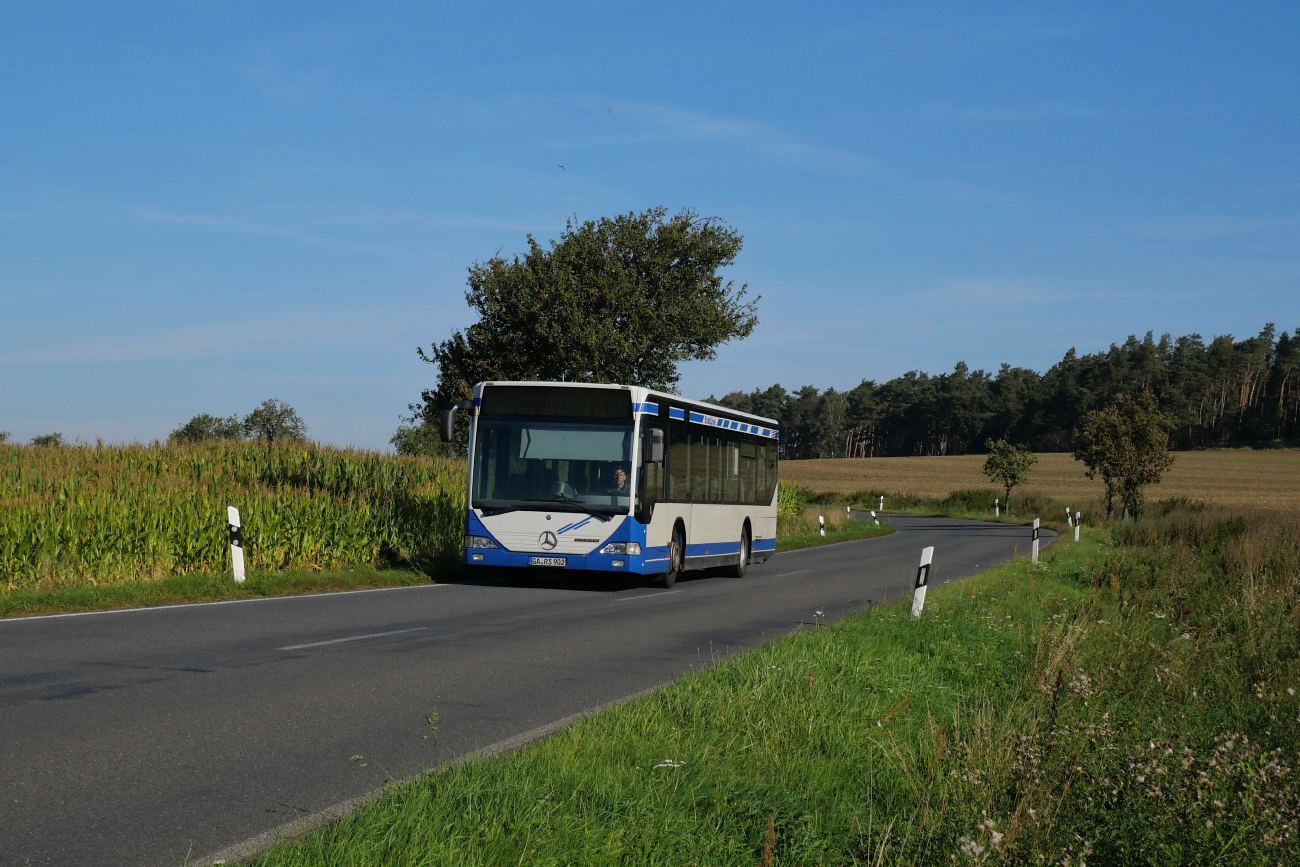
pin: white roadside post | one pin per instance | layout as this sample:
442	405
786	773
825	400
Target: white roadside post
821	524
848	510
997	508
1035	554
1069	520
874	519
922	579
236	543
882	502
1076	526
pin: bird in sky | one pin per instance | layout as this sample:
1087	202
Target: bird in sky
563	169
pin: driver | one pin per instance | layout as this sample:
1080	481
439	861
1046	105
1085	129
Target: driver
620	480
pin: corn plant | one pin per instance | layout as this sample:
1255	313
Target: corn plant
107	514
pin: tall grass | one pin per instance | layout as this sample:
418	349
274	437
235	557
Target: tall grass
110	514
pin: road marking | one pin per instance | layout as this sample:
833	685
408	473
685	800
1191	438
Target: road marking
800	572
352	638
19	618
646	596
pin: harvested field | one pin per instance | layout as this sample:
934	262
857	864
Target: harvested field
1230	477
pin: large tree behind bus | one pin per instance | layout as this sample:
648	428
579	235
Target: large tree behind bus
622	299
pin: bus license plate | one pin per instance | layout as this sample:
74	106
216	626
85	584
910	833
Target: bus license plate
549	561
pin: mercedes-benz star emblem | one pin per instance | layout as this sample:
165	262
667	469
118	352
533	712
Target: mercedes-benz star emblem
548	540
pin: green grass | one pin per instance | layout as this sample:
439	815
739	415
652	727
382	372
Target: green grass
1132	700
206	588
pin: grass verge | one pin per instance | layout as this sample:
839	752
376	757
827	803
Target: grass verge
201	588
1132	700
807	536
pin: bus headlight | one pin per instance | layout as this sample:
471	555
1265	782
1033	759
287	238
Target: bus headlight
633	548
479	542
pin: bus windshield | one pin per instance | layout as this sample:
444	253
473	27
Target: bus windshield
558	464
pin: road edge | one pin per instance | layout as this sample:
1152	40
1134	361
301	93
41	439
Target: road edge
242	851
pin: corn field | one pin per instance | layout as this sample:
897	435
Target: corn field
108	514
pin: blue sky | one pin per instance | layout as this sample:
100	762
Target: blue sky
206	204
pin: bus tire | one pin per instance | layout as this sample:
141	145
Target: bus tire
738	570
676	559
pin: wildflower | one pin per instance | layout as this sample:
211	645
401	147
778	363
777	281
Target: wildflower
1186	636
1290	690
669	763
971	848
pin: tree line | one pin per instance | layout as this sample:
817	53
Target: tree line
1226	392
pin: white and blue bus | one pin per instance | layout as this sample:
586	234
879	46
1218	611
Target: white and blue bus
615	478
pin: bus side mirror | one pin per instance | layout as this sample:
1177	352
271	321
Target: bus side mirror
449	418
656	445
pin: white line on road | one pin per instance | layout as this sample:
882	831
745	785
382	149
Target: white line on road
352	638
20	618
800	572
646	596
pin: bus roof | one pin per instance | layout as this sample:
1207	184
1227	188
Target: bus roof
701	405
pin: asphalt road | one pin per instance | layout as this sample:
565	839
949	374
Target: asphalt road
146	736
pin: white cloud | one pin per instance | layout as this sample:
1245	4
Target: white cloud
648	123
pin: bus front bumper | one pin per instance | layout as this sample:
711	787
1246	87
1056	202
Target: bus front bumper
649	563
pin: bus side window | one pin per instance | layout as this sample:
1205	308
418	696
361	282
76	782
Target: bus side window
731	487
679	456
767	456
700	467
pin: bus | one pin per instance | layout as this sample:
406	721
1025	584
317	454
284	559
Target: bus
615	478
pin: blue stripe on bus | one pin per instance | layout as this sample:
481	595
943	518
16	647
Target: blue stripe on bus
673	412
646	408
575	525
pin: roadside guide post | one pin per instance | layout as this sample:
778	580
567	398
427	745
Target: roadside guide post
874	519
1076	526
1035	554
236	543
821	524
882	502
1069	519
922	579
997	508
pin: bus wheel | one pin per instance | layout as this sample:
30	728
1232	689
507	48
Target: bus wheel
738	570
676	559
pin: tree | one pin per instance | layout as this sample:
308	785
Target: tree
418	439
50	440
623	299
274	421
1127	444
207	427
4	436
1007	465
